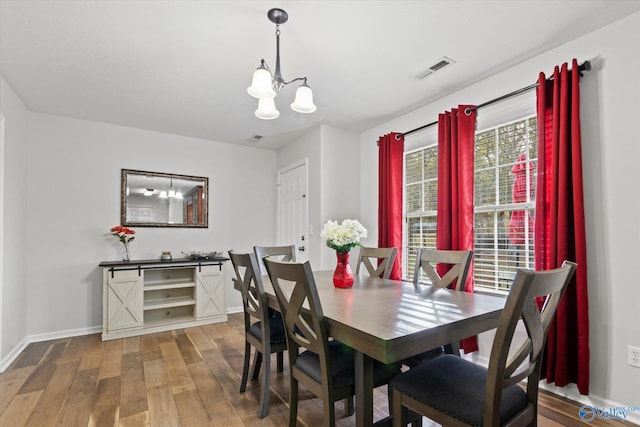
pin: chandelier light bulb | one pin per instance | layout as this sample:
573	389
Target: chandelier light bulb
267	109
163	195
304	100
261	85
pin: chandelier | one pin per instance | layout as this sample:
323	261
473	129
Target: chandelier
266	85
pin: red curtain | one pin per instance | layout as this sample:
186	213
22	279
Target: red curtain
559	223
456	134
390	189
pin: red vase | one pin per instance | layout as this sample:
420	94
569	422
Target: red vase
343	277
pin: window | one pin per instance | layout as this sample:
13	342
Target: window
421	189
504	178
505	171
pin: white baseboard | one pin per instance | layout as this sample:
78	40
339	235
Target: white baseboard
64	334
13	354
238	309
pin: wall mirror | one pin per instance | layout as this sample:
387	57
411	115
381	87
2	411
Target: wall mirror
155	199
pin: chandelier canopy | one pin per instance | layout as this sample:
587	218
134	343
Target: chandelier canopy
266	85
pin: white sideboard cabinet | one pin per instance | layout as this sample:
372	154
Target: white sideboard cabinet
145	296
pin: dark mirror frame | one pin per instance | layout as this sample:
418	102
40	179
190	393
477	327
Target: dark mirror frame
123	199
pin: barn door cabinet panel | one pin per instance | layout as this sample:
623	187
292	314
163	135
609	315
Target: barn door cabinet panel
148	296
122	309
210	294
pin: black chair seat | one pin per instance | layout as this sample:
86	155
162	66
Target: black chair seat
278	334
456	387
342	358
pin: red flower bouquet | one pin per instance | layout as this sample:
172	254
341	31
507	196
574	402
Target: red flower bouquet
125	235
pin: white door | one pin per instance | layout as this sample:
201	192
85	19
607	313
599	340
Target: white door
292	208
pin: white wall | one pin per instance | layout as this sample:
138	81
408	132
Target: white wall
340	186
74	199
609	117
13	224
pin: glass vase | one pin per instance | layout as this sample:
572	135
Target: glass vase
342	276
126	256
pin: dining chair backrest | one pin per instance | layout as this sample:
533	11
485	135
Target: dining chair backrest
247	279
306	327
282	253
427	261
508	367
378	261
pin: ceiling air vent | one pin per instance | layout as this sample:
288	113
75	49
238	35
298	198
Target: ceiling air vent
442	63
254	138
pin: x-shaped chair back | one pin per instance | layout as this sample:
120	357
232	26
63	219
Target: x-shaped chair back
434	262
250	284
294	286
378	261
282	253
301	310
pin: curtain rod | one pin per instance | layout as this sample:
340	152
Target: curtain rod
585	66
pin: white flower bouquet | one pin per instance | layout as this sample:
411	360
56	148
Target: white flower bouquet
343	237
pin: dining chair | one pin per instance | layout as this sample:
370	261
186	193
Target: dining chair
378	261
453	391
283	253
427	261
262	331
326	367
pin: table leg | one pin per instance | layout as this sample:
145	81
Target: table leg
364	389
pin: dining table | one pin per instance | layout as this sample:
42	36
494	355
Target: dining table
391	320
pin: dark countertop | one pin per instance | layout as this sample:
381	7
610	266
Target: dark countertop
176	261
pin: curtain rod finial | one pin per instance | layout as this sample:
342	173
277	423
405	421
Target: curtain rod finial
585	66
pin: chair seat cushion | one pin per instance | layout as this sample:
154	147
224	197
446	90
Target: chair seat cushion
278	334
342	365
456	387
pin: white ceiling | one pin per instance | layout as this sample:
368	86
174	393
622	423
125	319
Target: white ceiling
182	67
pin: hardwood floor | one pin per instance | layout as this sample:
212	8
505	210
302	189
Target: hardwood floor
188	377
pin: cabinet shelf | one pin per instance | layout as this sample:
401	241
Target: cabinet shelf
168	302
156	286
